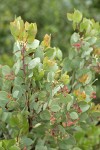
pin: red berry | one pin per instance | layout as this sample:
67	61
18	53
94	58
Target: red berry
77	45
93	95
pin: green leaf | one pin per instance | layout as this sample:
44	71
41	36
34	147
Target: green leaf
3	99
67	64
39	147
74	115
76	63
8	143
85	46
50	76
45	115
6	70
42	95
17	49
88	89
14	148
6	86
35	105
17	66
83	116
75	37
89	79
31	29
27	141
65	99
86	25
55	108
74	25
18	90
77	16
61	129
59	54
71	140
13	105
33	63
37	125
56	89
67	144
69	98
50	53
70	102
39	53
49	65
5	116
87	52
64	78
45	106
84	106
33	45
70	16
16	27
18	80
15	94
92	40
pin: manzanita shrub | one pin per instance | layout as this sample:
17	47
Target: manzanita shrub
46	100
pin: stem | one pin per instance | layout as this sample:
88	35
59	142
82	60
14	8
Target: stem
23	58
26	94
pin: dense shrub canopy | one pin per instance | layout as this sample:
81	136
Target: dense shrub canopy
45	100
38	11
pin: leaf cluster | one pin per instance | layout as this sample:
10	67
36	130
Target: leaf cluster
46	100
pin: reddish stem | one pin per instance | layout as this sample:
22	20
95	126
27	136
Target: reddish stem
23	58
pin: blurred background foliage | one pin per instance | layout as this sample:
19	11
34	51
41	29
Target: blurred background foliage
88	139
50	16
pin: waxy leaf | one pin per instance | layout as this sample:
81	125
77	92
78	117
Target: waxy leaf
55	108
33	63
4	99
74	115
